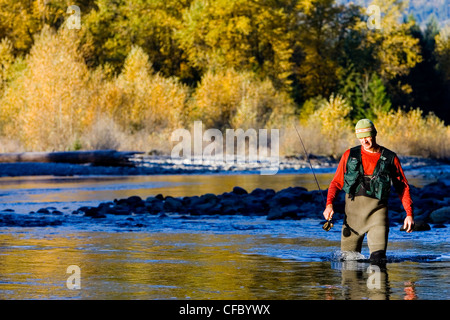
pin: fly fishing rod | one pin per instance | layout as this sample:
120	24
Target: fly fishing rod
328	224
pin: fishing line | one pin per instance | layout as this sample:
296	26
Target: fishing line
327	225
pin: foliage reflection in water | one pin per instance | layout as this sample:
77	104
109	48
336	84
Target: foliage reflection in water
140	265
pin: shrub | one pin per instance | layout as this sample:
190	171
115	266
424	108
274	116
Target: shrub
229	99
104	134
334	125
411	133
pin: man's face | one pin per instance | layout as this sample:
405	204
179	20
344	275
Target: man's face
368	142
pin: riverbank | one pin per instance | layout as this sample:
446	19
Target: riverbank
156	165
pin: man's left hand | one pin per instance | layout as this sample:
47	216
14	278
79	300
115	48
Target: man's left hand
408	224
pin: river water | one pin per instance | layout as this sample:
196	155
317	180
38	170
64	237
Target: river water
177	257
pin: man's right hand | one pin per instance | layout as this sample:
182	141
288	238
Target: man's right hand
328	212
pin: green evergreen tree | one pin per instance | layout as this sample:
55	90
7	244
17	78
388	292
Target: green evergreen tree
366	94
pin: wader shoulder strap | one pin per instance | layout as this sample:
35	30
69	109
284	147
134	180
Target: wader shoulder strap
380	182
388	155
355	154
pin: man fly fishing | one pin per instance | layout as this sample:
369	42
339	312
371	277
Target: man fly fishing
365	173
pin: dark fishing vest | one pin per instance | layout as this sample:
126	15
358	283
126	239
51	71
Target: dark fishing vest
376	186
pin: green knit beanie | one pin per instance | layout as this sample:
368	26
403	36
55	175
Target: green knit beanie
365	128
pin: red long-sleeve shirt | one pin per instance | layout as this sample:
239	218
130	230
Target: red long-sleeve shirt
369	161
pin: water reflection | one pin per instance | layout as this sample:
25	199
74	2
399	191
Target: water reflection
69	189
410	291
363	280
152	266
186	266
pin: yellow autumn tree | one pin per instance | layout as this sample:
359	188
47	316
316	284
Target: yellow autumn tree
6	61
239	34
442	51
149	101
318	39
393	45
142	106
49	100
231	99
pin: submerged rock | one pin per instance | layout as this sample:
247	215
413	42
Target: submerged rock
441	215
439	226
20	220
284	212
419	226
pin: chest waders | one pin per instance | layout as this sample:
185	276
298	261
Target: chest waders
366	204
